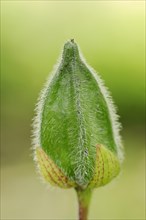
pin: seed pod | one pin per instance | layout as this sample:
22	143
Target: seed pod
76	132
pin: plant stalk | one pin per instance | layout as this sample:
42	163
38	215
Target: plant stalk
84	197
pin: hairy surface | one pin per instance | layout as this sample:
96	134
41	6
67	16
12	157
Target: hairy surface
74	114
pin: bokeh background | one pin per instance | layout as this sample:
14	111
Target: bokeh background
111	37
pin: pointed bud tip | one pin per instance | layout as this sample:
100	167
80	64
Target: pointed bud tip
70	44
72	40
70	49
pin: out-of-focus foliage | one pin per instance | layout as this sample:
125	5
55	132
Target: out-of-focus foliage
111	36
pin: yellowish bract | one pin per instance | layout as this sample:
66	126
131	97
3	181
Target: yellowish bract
107	167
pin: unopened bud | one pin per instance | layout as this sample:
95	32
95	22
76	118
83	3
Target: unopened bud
76	131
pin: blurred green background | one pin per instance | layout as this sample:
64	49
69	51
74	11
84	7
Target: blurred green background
111	37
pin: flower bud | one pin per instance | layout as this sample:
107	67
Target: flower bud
76	131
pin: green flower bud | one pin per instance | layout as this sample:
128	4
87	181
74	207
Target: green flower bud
76	129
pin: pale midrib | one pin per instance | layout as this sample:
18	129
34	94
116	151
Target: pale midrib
80	117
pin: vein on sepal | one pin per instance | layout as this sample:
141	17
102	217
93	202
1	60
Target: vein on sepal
51	172
107	167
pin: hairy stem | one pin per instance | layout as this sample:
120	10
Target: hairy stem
83	201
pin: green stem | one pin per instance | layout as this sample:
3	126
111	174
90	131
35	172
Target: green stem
83	201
